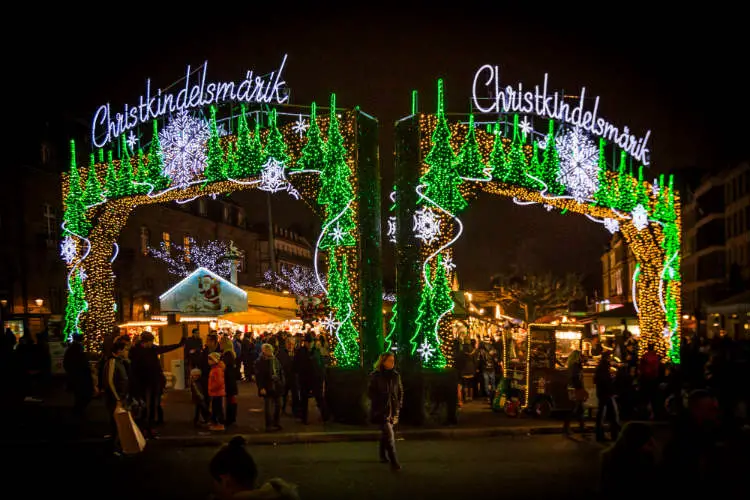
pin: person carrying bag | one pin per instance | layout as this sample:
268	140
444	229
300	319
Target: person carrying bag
124	430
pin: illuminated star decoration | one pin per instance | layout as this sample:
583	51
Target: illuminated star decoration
338	234
183	143
83	275
300	126
392	229
426	225
330	323
655	188
389	297
221	130
548	207
273	178
612	225
132	139
448	263
426	351
525	126
579	164
68	250
542	143
640	217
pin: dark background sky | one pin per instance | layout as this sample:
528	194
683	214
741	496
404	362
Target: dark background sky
681	74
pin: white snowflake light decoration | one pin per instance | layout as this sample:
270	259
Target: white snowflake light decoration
392	229
525	126
548	207
655	188
579	167
330	323
182	261
83	275
542	143
448	263
68	250
426	225
221	130
183	142
132	139
300	126
338	234
273	178
299	280
426	351
640	217
612	225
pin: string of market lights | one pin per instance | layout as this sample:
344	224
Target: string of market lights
571	176
190	158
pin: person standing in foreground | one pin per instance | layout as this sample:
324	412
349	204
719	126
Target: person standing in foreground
115	388
386	395
269	375
216	391
234	473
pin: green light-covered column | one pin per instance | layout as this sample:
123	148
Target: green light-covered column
369	224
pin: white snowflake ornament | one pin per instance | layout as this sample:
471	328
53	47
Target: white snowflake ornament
542	143
132	139
548	207
338	234
273	178
68	250
183	143
392	229
448	264
330	323
426	351
83	275
579	168
640	217
426	225
300	126
525	126
655	188
612	225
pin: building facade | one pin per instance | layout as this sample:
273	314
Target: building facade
618	265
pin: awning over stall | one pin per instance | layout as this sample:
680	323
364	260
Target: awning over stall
264	306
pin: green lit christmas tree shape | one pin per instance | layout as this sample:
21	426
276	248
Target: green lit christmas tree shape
142	174
312	156
442	305
234	170
156	162
125	175
551	163
626	199
469	163
336	192
535	169
390	338
641	192
442	180
76	305
515	172
215	166
93	191
75	210
347	347
249	151
498	162
255	159
110	181
275	145
603	195
425	322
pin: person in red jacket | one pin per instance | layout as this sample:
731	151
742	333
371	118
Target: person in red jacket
649	379
216	391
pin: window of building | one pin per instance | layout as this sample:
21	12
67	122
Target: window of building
145	240
186	247
618	282
167	242
242	267
241	217
202	207
49	219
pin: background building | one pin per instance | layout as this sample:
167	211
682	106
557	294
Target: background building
618	265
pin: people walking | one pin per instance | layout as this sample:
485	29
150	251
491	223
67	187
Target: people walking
285	357
309	370
605	395
269	375
386	396
648	380
247	356
216	391
577	393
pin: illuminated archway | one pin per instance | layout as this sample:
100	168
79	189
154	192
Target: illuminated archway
326	161
441	166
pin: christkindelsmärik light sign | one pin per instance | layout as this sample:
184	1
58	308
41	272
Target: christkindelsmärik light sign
259	89
552	105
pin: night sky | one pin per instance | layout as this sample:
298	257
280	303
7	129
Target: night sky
682	80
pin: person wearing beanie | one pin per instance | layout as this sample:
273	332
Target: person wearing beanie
216	391
235	475
200	401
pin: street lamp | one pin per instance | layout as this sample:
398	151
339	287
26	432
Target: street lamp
146	307
39	302
3	302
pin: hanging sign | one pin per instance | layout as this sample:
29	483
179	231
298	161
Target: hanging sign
490	97
205	293
196	92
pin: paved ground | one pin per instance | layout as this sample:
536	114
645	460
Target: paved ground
517	467
51	421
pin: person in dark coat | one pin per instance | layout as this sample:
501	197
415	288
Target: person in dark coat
309	370
146	370
386	396
287	364
605	394
248	356
468	369
80	379
230	385
269	375
193	348
115	388
31	358
578	394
